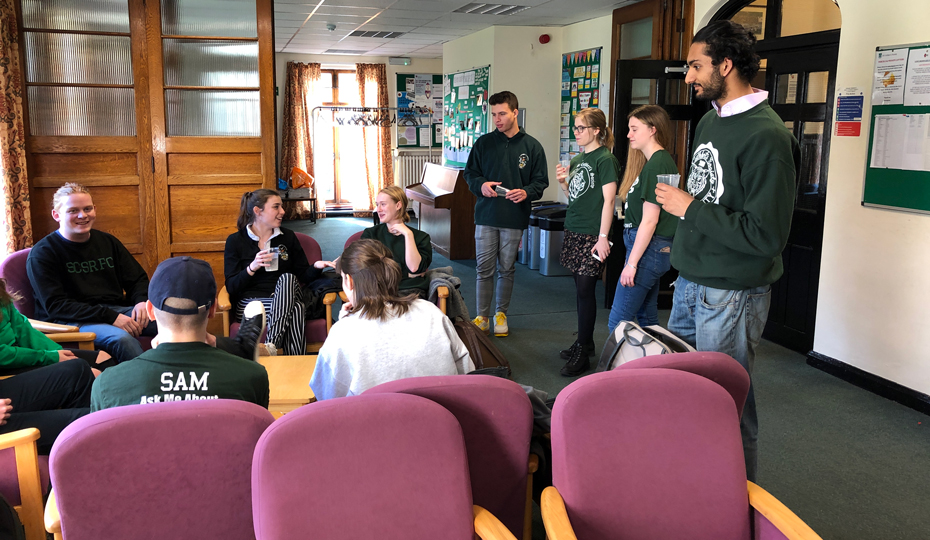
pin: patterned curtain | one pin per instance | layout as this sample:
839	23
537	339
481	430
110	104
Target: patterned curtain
300	96
376	142
16	227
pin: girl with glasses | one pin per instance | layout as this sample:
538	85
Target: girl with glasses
647	229
590	183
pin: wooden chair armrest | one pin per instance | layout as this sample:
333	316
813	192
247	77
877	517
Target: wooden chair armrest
442	291
52	328
330	298
52	519
779	515
533	463
488	527
222	300
22	436
343	297
555	517
72	337
23	443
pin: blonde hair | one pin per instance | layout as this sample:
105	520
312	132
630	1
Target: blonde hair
596	119
398	196
654	117
66	191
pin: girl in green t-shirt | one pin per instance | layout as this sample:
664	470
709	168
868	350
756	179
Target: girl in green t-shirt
647	229
591	186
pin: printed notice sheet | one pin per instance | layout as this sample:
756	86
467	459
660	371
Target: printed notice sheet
917	81
901	141
888	86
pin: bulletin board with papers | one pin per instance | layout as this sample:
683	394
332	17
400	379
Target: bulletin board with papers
897	175
465	110
419	90
580	90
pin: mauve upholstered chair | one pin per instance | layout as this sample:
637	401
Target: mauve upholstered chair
654	453
24	478
164	470
718	367
385	466
497	421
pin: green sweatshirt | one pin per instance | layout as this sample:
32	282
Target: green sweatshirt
743	174
517	163
21	345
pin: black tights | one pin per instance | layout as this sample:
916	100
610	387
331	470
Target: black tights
587	307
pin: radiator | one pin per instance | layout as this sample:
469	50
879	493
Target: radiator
410	166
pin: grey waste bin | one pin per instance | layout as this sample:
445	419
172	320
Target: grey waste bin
551	234
533	232
523	255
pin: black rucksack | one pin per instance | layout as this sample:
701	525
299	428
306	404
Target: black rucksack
11	528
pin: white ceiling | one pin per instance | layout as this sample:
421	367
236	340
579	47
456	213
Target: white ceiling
300	26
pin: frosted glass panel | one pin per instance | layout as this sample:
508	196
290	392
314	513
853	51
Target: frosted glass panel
211	63
86	15
227	18
636	39
61	111
78	59
207	113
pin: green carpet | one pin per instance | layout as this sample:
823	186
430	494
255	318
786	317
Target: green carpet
851	464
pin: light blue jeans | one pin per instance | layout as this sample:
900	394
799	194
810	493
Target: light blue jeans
730	322
642	299
495	246
116	341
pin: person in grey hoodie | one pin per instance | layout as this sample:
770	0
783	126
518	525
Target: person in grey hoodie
381	336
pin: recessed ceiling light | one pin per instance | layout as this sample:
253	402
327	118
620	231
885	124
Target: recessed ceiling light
490	9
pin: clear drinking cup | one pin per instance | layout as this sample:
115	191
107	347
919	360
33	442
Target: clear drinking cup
670	179
275	255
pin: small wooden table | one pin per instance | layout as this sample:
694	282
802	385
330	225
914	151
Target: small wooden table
289	382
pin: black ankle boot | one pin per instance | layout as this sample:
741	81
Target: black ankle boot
577	363
565	354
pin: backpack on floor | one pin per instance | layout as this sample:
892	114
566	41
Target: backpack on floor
482	351
630	341
11	528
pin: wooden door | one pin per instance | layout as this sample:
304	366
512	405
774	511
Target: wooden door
164	109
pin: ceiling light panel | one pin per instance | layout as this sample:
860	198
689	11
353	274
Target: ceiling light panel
490	9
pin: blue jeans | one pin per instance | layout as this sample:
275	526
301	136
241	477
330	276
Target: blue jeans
119	343
495	245
730	322
641	299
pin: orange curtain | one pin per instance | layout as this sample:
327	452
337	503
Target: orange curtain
376	141
16	228
300	94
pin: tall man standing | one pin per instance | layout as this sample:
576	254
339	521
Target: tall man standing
736	214
506	170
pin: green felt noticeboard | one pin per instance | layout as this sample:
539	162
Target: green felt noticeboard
580	89
419	90
890	186
465	118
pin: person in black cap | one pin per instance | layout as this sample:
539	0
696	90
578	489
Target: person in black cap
183	367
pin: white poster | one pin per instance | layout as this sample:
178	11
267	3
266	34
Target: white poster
424	137
888	86
917	80
901	141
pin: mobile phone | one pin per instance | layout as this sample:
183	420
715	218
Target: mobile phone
596	256
501	190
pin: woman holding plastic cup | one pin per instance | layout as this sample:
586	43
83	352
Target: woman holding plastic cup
647	229
590	183
264	261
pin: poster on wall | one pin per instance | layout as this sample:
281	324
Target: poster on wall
580	89
418	90
465	113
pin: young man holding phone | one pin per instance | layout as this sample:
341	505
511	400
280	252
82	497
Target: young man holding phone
506	170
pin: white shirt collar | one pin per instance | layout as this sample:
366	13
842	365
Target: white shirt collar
741	104
253	236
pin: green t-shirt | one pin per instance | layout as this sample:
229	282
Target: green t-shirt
397	246
180	372
21	345
589	173
644	189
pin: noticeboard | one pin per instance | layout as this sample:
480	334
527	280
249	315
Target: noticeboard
419	90
580	89
465	113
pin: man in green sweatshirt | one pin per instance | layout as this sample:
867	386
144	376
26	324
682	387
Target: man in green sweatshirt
736	213
506	170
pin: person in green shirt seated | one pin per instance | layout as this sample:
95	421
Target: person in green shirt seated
647	228
410	248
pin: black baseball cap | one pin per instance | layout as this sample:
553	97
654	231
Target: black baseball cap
183	277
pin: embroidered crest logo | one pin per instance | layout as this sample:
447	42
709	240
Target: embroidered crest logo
282	253
705	182
521	161
581	181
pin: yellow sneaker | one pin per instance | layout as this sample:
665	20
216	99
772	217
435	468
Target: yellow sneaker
500	324
483	323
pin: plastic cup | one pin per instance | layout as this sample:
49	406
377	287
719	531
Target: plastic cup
275	255
670	179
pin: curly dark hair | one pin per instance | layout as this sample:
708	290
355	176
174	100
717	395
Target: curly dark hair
727	39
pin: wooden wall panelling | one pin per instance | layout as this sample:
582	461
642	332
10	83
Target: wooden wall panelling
157	126
266	76
141	70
